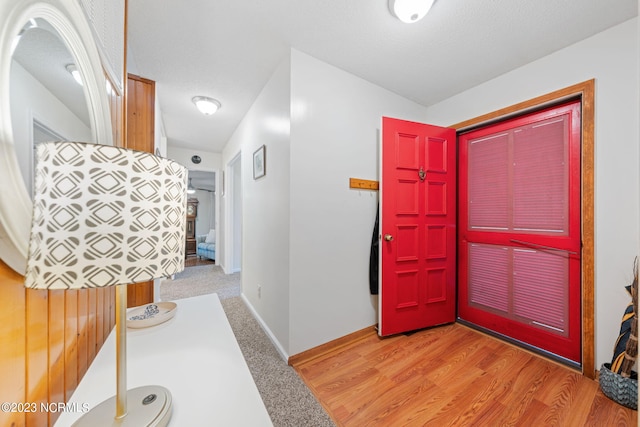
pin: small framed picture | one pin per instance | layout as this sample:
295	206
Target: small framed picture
259	162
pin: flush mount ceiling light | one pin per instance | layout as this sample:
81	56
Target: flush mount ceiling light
206	105
190	188
73	70
410	11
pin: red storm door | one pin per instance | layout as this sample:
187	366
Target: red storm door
418	219
519	229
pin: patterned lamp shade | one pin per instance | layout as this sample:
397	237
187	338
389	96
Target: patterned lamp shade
104	216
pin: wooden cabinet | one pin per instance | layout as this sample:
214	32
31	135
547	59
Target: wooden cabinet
190	235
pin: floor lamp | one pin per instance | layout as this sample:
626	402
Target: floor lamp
108	216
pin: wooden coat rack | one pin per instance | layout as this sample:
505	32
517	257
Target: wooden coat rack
363	184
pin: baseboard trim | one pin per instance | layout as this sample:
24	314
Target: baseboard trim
265	328
322	349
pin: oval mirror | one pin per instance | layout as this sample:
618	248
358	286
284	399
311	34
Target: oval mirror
47	102
40	41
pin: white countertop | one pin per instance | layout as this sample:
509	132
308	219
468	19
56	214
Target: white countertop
195	355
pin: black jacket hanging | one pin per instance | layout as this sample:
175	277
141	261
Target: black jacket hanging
373	257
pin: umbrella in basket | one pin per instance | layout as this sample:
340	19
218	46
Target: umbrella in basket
617	380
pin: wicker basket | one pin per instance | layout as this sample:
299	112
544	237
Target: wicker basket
618	388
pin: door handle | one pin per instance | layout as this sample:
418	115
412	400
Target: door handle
422	174
542	247
388	237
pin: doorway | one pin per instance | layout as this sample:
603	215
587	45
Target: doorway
584	91
233	251
519	229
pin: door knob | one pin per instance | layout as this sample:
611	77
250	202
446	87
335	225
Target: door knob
388	237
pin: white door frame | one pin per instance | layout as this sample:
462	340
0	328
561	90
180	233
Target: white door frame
233	215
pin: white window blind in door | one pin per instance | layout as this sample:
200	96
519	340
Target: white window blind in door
489	182
540	295
518	183
540	176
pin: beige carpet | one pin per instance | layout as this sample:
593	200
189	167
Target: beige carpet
288	400
201	280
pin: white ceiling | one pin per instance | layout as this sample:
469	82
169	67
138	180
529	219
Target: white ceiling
228	49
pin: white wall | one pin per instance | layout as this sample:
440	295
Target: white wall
205	220
160	136
306	235
335	126
610	57
211	162
236	232
265	208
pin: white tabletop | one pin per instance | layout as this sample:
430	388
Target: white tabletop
195	355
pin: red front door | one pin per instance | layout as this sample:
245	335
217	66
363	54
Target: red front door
417	226
519	229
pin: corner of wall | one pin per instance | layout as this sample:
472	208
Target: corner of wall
265	204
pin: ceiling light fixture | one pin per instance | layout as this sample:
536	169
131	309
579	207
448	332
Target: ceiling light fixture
206	105
73	70
410	11
190	188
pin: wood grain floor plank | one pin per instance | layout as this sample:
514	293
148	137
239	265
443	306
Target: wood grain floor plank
453	376
471	399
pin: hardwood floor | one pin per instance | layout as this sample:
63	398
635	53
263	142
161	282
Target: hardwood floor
193	261
452	376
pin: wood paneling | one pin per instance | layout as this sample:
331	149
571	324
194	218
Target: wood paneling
140	113
452	375
99	318
12	344
71	339
92	334
57	348
140	136
41	334
37	355
83	331
48	339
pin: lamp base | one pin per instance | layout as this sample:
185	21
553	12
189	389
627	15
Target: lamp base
146	406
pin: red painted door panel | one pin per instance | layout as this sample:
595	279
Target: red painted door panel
519	229
418	218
